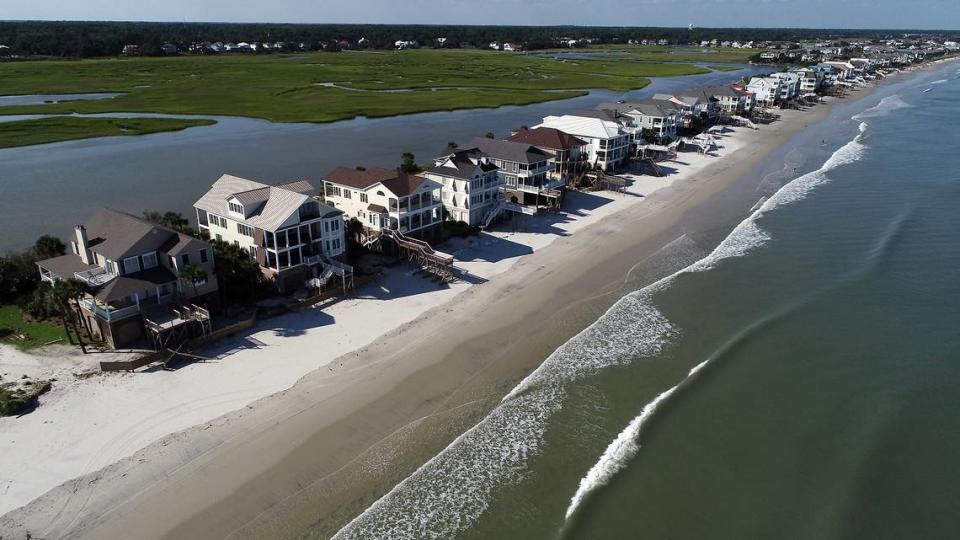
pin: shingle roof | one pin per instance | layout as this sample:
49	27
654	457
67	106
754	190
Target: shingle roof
398	182
116	235
65	266
461	165
359	179
126	285
273	204
649	107
510	151
544	137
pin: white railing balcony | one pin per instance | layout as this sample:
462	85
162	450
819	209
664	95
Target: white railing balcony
312	260
108	313
94	277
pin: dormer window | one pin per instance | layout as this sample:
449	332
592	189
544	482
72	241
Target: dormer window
236	207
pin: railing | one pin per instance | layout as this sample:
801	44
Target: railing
94	277
107	313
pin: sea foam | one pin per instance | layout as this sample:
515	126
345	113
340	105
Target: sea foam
886	106
450	491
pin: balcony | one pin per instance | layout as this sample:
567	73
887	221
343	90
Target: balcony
94	277
109	313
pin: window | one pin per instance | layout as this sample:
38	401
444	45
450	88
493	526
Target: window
253	252
219	237
149	260
184	260
111	267
347	194
336	243
245	230
235	207
203	255
336	225
363	197
131	265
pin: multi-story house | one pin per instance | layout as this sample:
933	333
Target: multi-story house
387	199
524	170
129	266
608	141
697	103
790	85
766	89
569	152
655	118
470	182
810	80
731	101
285	228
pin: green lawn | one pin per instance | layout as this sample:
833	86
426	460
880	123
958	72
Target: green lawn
35	334
66	128
289	88
655	53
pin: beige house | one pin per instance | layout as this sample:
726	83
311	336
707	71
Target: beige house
285	228
387	199
130	267
470	182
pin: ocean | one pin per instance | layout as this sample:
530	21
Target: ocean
796	379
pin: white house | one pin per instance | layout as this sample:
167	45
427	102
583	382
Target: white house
608	142
471	184
766	89
288	231
387	199
790	85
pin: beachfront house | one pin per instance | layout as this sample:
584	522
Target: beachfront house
730	100
524	171
130	267
789	85
697	103
569	153
471	184
286	229
656	119
810	81
387	199
608	141
766	89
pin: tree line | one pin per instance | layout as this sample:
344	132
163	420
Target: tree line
70	39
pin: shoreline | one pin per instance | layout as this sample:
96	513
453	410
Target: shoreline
397	386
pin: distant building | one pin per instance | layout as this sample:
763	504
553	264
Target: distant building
130	50
168	49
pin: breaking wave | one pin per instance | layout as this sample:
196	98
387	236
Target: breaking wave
941	81
886	106
449	492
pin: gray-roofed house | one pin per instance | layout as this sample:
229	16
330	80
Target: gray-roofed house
128	265
470	184
387	199
524	169
657	119
285	228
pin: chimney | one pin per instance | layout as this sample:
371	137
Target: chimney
83	248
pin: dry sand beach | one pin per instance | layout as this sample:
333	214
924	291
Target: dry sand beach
369	387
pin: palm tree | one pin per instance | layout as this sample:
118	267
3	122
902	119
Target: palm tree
192	275
61	295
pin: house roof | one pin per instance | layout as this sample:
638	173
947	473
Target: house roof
126	285
649	107
722	91
399	183
376	209
358	179
461	165
268	207
116	235
544	137
580	126
510	151
65	266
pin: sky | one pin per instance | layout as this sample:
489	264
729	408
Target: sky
918	14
